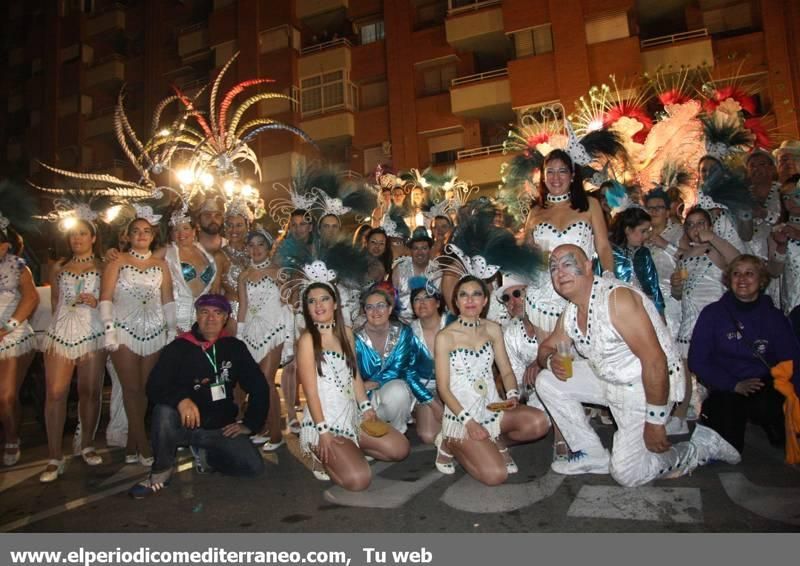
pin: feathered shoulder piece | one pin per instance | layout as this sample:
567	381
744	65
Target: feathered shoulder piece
336	196
727	189
394	224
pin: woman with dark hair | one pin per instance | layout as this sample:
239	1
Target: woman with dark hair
735	343
336	402
74	341
139	319
696	282
477	425
566	216
378	247
429	319
192	269
632	260
18	301
385	351
263	327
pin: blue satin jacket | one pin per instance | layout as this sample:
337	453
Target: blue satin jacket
628	263
399	363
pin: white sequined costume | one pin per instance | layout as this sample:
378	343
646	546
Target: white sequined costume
21	340
472	383
790	283
665	262
138	313
266	318
542	304
762	228
182	293
76	329
337	397
612	376
522	351
701	288
238	262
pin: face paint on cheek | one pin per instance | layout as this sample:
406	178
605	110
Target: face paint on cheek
568	263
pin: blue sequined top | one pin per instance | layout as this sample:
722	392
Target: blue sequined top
399	363
639	262
189	272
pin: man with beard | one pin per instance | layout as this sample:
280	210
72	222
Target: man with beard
209	219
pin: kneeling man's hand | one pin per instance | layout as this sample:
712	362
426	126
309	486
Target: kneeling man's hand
655	438
190	414
235	429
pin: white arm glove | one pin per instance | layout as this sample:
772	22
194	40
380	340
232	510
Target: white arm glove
171	318
110	342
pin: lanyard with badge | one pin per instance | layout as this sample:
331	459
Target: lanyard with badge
218	392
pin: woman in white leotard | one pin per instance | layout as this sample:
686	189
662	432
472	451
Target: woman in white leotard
474	433
567	216
138	314
74	340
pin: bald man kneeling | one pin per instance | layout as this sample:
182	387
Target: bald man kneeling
631	365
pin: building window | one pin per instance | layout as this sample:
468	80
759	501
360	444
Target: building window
607	28
730	18
371	32
327	92
436	80
533	41
273	39
430	13
443	157
374	95
444	148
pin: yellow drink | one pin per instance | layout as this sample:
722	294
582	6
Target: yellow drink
566	362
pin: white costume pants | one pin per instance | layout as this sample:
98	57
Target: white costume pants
632	464
393	403
117	430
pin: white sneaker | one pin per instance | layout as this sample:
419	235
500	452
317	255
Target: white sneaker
582	463
676	426
258	439
711	446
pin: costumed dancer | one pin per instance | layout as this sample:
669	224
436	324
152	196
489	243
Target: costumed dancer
139	318
234	257
784	248
411	266
696	282
74	340
338	414
192	269
18	301
263	326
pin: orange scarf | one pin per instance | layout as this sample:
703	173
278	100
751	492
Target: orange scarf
782	374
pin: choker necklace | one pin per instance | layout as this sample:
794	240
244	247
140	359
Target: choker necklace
552	199
86	259
794	219
325	325
467	324
142	257
264	264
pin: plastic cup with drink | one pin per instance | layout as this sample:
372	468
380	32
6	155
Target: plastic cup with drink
564	352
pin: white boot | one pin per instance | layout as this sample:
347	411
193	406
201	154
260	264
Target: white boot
711	446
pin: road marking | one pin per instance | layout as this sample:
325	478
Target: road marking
775	503
468	494
663	504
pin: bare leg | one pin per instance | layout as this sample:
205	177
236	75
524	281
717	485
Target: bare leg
269	366
523	424
129	368
347	466
91	369
12	373
391	447
146	366
429	420
289	388
481	459
58	372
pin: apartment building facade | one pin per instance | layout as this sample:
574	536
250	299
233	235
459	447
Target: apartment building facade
411	83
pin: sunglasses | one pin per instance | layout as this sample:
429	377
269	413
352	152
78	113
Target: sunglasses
516	294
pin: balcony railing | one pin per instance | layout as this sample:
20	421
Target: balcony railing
674	38
350	174
328	97
339	42
460	6
497	73
480	151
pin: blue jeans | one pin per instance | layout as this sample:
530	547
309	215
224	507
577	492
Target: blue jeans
228	455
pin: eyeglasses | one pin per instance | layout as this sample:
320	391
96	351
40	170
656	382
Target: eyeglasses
517	293
379	307
420	298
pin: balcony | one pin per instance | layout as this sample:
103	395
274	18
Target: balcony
327	97
331	128
78	104
109	71
77	51
112	19
324	57
477	27
481	165
689	49
308	8
276	106
279	167
192	41
103	124
483	95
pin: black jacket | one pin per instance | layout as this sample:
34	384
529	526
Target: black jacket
183	371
